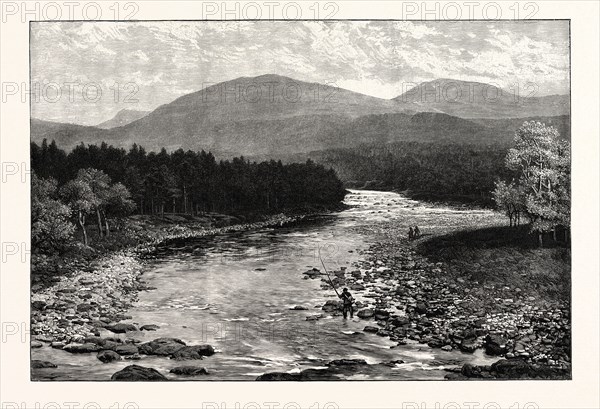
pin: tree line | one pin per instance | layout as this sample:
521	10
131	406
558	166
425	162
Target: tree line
104	182
431	171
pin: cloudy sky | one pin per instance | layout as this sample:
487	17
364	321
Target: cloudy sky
103	67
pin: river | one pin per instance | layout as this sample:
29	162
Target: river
236	292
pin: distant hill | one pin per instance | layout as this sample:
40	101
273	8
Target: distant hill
122	118
478	100
65	135
272	116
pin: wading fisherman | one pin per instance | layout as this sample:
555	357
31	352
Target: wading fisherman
417	232
347	300
411	233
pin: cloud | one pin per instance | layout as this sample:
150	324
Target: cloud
168	59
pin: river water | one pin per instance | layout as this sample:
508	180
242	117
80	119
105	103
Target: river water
236	292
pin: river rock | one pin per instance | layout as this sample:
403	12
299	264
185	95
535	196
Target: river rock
107	356
347	362
298	308
495	345
331	306
138	373
279	376
193	352
36	344
371	329
36	364
161	346
127	349
149	327
189	370
365	313
469	345
121	328
82	348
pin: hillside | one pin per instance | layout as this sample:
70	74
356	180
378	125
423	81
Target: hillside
478	100
271	116
122	118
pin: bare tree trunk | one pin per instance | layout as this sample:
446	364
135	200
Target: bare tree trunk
99	222
81	219
106	224
540	239
554	233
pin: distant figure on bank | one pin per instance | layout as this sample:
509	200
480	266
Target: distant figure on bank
411	233
347	303
417	231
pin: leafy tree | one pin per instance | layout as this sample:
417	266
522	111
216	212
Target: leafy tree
511	199
542	161
50	224
81	199
117	203
99	183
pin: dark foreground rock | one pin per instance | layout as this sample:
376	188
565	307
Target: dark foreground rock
336	370
162	346
138	373
36	364
127	349
107	356
193	352
515	368
121	328
189	370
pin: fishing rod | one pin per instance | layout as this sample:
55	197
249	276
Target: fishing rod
326	272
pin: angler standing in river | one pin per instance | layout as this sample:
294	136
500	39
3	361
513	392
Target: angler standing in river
347	300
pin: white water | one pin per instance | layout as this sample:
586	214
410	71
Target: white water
235	291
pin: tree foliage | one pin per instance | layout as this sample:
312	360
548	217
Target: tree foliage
193	182
50	218
542	188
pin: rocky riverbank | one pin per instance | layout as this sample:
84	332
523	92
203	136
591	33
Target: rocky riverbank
405	296
92	293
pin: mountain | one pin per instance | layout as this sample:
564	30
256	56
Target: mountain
122	118
271	116
65	135
478	100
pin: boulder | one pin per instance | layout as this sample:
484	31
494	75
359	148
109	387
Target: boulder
400	321
469	345
193	352
299	308
161	346
331	306
36	344
82	348
279	376
347	362
121	328
36	364
371	329
366	313
138	373
107	356
149	327
189	370
495	345
421	308
127	349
